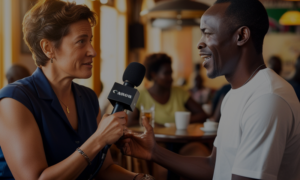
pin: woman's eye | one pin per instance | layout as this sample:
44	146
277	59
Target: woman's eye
81	41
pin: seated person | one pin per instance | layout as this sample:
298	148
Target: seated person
295	81
217	101
200	93
275	64
166	99
16	72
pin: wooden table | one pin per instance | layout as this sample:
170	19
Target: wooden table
171	134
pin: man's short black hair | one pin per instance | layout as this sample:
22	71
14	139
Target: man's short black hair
250	13
154	62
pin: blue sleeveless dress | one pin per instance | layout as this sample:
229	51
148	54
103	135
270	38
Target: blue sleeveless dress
60	140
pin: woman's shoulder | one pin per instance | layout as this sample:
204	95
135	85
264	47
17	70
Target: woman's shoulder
22	91
24	85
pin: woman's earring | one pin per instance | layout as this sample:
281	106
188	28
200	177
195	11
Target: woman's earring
51	60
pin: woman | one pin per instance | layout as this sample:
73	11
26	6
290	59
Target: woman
50	127
166	99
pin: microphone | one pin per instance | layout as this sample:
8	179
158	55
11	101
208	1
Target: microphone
124	97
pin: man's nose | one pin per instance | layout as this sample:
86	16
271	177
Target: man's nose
201	45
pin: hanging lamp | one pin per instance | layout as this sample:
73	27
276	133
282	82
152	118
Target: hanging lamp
291	18
180	9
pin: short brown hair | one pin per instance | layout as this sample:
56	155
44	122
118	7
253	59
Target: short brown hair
154	62
50	19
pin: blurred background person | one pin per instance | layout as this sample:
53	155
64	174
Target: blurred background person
166	98
295	81
199	92
275	64
217	102
16	72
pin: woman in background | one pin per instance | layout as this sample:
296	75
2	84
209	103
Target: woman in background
166	98
51	127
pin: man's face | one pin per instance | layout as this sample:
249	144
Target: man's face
217	45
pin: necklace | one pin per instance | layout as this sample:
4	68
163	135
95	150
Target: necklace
253	74
66	107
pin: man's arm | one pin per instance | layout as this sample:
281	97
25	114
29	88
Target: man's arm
189	167
144	146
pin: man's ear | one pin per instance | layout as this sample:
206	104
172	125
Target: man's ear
47	48
243	35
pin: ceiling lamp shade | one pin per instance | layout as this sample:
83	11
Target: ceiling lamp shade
173	23
171	9
290	18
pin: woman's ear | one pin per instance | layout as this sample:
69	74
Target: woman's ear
47	48
243	35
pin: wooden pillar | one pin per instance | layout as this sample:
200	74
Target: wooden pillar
1	46
11	33
96	44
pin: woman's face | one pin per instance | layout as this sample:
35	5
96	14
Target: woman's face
75	55
164	76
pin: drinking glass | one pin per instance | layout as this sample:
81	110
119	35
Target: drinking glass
148	113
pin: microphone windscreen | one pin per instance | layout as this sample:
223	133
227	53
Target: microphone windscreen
134	73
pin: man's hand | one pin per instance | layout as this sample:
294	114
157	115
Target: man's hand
139	145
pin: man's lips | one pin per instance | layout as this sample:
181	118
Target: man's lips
206	57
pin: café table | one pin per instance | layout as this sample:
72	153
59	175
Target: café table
170	134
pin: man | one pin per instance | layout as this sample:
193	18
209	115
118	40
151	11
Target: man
259	130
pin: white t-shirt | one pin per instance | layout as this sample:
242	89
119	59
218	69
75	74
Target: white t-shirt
259	131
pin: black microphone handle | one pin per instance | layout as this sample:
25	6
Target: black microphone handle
118	107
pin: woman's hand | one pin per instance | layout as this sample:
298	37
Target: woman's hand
139	145
111	127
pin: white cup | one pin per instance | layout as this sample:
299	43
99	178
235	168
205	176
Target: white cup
210	125
182	119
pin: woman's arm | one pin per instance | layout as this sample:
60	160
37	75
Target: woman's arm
198	115
22	144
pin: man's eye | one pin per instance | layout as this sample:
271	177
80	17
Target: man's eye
81	41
